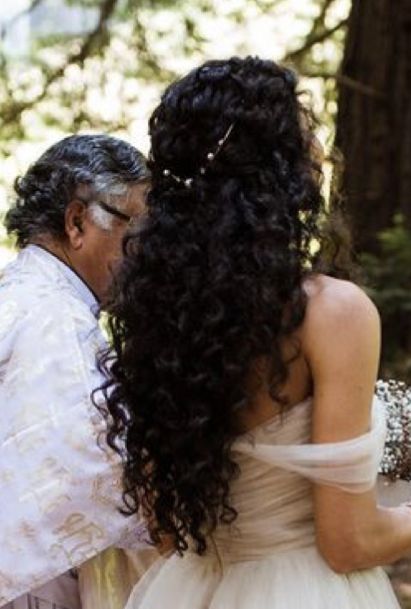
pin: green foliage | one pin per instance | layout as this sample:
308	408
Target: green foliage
389	276
143	43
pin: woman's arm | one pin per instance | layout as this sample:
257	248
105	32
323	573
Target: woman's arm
341	342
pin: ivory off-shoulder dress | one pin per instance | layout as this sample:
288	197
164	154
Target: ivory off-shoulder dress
267	559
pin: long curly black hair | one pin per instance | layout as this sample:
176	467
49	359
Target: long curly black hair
212	282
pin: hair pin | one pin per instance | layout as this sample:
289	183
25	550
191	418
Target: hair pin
203	169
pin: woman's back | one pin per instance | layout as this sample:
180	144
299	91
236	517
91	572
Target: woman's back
298	385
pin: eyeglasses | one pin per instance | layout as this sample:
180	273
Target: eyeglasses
109	209
114	212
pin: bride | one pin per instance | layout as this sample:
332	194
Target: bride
242	384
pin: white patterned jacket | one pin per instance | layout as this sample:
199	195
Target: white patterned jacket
59	490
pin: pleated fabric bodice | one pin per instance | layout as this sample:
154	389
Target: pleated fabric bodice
273	493
274	505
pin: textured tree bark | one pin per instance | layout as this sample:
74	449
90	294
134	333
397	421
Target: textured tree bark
374	121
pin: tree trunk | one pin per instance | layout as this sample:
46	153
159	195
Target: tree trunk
374	117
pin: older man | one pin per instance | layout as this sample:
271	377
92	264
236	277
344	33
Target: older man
59	487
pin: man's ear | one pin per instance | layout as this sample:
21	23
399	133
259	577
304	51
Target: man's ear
74	221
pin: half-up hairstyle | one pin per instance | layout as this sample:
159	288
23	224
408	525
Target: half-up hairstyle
211	284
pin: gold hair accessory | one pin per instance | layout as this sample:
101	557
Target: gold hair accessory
203	169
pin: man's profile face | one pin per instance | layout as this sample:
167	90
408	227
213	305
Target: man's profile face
102	248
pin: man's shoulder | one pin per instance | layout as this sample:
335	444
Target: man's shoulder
38	316
25	292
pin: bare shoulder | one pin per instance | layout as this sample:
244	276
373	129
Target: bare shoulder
341	344
337	305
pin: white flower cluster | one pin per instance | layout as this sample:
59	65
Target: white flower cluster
396	399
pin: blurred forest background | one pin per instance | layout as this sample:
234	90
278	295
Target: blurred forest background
81	65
